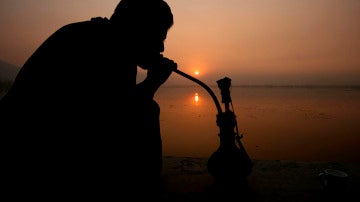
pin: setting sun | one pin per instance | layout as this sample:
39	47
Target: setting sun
197	72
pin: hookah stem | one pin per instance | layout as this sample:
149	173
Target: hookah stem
202	84
236	124
238	136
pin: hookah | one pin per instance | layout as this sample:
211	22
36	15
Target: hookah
230	162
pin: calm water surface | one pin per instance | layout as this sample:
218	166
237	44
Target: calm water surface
278	123
282	123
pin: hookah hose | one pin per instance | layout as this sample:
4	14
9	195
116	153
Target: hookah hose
213	96
202	84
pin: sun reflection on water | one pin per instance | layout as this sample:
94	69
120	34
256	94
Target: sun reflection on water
196	98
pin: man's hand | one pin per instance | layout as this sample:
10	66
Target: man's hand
158	71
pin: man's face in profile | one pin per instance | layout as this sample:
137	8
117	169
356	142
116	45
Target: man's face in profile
149	46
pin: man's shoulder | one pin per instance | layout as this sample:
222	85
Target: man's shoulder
96	23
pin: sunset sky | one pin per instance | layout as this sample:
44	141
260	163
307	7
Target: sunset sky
250	41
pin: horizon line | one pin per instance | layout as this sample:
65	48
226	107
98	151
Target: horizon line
353	86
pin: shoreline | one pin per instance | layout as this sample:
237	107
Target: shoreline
187	179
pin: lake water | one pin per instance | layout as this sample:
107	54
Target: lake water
278	123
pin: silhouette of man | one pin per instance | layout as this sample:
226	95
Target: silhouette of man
75	120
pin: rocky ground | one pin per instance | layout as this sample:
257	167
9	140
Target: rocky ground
187	179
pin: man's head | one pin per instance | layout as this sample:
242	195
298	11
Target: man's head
143	12
145	22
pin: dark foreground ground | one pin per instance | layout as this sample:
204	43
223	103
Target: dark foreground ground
187	179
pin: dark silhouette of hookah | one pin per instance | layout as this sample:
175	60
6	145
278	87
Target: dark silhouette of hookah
230	163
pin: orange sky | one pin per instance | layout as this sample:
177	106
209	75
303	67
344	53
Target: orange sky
250	41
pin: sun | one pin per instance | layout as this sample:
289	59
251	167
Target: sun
196	72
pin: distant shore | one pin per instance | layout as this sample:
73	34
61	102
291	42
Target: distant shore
340	86
187	179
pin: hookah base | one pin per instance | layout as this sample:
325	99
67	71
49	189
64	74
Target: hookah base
229	165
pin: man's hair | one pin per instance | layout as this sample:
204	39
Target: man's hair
143	13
